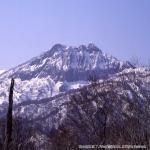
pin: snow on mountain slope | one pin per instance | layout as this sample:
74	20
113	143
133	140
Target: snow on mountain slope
2	71
58	70
119	104
121	92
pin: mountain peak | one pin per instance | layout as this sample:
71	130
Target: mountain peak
42	76
55	48
93	47
90	48
61	61
58	46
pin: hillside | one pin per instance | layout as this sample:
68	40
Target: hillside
113	111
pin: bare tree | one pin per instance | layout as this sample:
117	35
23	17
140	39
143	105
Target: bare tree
8	130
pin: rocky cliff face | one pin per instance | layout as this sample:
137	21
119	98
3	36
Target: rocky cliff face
59	69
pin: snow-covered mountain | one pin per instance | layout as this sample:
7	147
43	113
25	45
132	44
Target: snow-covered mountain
53	96
58	70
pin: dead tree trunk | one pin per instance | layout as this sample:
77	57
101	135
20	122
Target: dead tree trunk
8	129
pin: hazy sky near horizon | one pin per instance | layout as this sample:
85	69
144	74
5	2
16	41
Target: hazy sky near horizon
29	27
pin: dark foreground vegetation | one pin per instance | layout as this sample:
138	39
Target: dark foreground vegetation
107	113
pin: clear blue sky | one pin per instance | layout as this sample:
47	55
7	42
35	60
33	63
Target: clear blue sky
29	27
